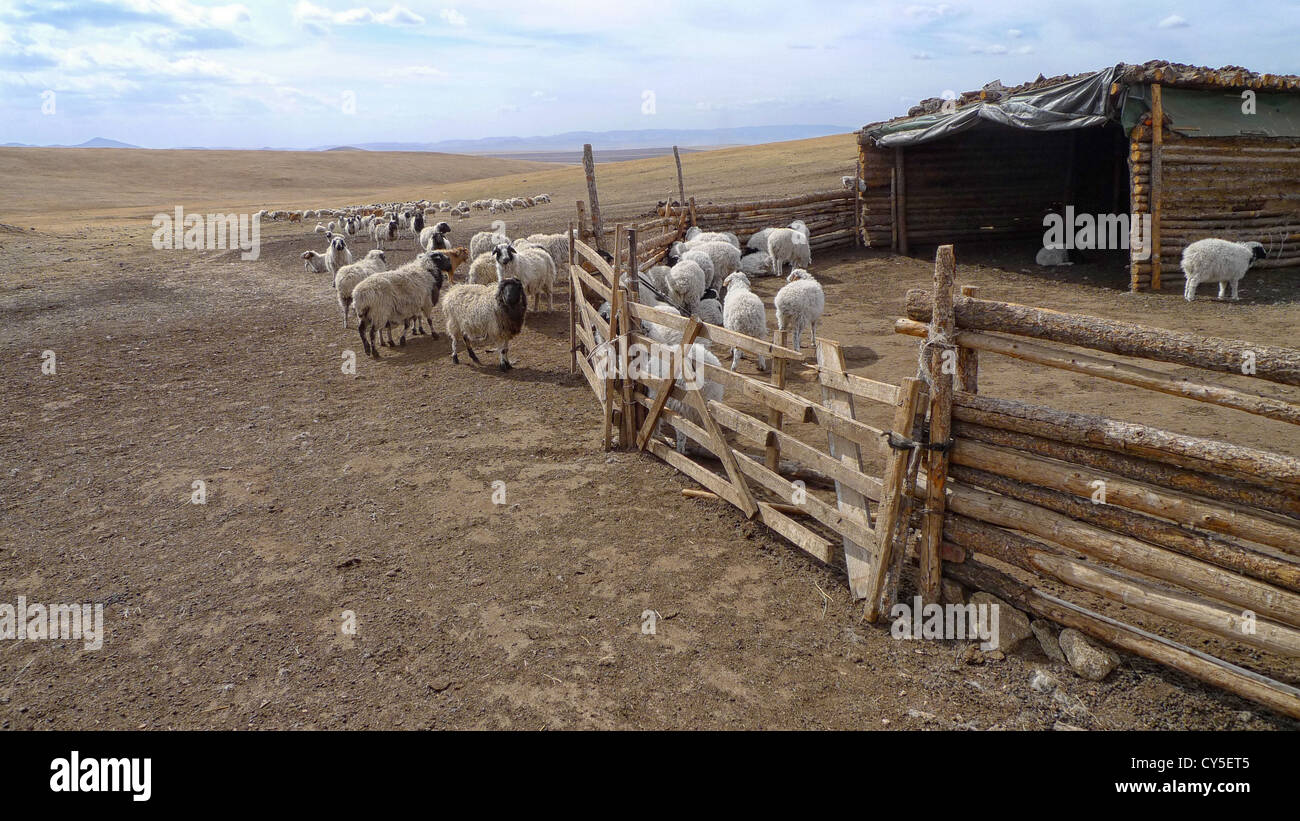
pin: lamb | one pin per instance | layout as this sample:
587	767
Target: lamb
759	240
744	313
493	314
386	299
532	266
712	278
788	245
316	263
696	355
800	302
484	241
337	255
709	309
685	283
1218	260
348	277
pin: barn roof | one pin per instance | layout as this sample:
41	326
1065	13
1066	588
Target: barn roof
1120	94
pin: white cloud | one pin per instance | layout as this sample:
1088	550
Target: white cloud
452	17
995	48
1025	50
1015	34
308	14
922	55
928	12
1173	21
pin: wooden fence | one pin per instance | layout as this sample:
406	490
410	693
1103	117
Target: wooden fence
1006	496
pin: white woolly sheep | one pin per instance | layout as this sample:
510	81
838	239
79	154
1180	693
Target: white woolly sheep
387	299
483	270
709	309
712	279
492	314
744	313
485	241
348	277
724	255
1052	256
756	264
557	245
1218	260
788	245
685	283
532	266
800	302
695	234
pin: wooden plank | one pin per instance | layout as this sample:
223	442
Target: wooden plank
664	391
803	538
942	330
725	338
699	473
968	359
850	524
775	417
573	318
861	556
1157	151
891	522
859	386
722	450
601	288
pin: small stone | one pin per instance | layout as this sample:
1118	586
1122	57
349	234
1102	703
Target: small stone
439	684
1013	626
1047	639
1088	660
1245	715
995	655
972	654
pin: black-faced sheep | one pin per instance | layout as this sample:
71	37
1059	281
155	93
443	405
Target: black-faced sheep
491	314
532	266
388	299
1218	260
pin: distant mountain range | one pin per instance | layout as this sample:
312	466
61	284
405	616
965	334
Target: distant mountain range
570	141
94	142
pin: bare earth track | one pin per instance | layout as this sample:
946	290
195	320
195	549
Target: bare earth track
328	492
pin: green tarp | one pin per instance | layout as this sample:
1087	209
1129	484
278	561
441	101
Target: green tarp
1218	112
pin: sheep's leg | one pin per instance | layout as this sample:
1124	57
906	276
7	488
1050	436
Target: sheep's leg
345	303
469	349
365	343
432	333
681	443
505	357
762	363
1223	289
735	358
814	334
1189	290
1235	283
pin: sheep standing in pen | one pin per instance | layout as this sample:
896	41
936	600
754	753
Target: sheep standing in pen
712	279
557	245
685	284
744	313
709	309
347	278
695	234
492	314
388	299
800	302
532	266
483	269
689	374
788	245
484	241
724	256
1218	260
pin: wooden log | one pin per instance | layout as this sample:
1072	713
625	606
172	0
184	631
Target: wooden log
1273	363
573	318
789	510
1142	470
681	184
589	167
968	361
891	530
774	416
1275	695
941	354
1127	552
1117	372
1258	467
1157	143
900	215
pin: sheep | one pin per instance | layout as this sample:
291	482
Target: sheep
685	283
800	302
1053	256
532	266
337	254
416	227
724	256
694	235
758	241
485	241
658	277
557	245
847	182
1218	260
744	313
322	229
709	309
348	277
788	245
712	279
483	269
432	239
756	264
385	230
493	314
386	299
658	367
316	263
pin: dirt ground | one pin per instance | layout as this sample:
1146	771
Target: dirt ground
373	493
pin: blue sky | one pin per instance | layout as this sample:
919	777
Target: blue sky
164	73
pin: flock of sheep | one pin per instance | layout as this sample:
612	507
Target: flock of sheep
427	209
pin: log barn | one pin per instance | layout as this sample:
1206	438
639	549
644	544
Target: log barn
991	164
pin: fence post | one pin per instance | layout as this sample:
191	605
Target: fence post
597	227
968	359
776	417
941	367
629	296
573	319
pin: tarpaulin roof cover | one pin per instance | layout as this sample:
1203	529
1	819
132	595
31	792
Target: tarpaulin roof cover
1219	112
1079	103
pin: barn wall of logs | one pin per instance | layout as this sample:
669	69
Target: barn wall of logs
1234	188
